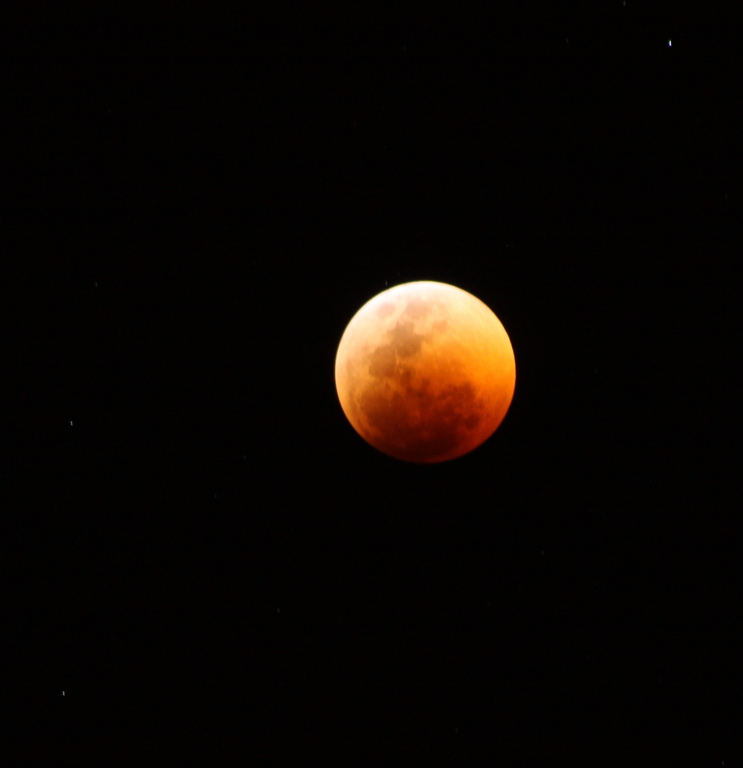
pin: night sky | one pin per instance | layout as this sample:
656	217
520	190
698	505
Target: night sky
200	557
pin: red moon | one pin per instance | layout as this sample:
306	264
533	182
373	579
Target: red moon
425	372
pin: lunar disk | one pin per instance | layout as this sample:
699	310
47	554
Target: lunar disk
425	372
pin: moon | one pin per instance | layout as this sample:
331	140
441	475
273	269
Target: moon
425	372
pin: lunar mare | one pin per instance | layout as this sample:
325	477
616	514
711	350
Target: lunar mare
425	372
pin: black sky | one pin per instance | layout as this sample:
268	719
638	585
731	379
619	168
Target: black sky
200	555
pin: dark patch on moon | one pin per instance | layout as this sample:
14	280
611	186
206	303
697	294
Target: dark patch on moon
383	361
419	424
403	342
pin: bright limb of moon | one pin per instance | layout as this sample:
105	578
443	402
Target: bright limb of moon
425	372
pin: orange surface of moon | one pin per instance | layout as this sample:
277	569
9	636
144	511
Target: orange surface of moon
425	372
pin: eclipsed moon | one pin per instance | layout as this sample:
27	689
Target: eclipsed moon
425	372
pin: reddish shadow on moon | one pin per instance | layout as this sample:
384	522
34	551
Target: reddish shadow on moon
425	372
